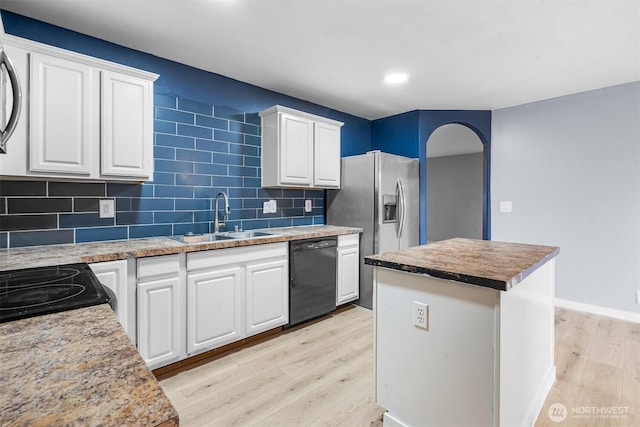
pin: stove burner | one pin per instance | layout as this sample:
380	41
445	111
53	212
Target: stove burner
45	290
35	296
29	277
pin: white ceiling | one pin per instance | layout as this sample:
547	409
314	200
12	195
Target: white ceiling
475	54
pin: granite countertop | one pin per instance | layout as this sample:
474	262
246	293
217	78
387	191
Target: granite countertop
77	367
40	256
485	263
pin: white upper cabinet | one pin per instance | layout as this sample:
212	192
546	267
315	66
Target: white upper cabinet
299	149
296	150
87	118
127	126
326	160
62	117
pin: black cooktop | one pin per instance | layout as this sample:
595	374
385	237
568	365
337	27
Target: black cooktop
37	291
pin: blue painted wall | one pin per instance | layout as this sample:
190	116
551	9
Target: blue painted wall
407	135
207	139
397	134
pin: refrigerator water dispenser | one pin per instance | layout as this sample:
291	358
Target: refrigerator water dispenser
390	203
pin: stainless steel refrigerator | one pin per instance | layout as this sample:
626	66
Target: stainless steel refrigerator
379	193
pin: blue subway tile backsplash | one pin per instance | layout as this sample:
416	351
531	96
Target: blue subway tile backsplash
194	107
36	238
199	150
101	233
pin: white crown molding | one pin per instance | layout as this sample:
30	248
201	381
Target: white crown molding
34	46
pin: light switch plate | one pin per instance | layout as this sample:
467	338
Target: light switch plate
506	206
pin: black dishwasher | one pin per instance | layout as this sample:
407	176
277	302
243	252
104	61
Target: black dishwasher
312	278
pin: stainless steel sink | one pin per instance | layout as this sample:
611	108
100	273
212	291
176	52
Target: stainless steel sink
213	237
201	238
249	234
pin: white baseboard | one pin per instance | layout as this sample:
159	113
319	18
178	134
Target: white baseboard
538	403
391	421
596	309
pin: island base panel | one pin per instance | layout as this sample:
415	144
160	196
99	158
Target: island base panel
443	375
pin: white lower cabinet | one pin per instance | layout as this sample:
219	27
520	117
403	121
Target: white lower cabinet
234	293
191	303
267	295
161	290
214	308
348	268
114	275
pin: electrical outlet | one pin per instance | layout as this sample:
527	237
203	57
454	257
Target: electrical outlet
107	208
638	296
421	315
308	205
269	207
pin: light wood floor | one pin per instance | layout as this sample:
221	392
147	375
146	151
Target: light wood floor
321	375
317	375
597	370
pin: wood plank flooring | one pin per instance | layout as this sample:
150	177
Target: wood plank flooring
321	375
597	371
316	375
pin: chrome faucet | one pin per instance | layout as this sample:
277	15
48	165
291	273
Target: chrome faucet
227	211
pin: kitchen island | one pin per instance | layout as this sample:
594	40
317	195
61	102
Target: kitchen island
463	332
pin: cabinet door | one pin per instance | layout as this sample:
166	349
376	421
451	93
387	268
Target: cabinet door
159	321
326	168
215	302
113	275
296	150
127	126
267	295
63	116
348	275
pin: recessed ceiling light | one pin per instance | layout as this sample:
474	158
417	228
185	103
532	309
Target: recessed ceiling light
396	78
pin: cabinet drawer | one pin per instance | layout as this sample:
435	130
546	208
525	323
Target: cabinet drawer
218	257
166	265
348	240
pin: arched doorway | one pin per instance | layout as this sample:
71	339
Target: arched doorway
454	184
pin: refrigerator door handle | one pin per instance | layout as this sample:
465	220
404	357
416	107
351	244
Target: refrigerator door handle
401	208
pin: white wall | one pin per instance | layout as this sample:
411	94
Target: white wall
571	167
